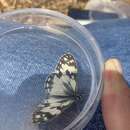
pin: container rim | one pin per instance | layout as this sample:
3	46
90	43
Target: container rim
81	118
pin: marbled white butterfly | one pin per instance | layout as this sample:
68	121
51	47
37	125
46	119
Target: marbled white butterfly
61	88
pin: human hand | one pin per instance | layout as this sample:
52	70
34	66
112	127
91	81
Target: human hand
116	97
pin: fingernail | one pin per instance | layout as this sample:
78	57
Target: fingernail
113	65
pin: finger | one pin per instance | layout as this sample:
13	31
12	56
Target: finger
116	97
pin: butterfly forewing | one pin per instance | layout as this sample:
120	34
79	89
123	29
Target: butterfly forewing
67	63
60	87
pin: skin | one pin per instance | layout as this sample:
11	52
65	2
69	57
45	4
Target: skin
116	97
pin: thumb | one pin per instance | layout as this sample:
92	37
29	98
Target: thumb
116	97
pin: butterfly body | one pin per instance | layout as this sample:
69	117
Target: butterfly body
61	90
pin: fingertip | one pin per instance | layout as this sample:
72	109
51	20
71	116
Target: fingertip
113	65
113	78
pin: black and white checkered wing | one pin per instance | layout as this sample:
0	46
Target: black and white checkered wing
67	66
61	89
67	63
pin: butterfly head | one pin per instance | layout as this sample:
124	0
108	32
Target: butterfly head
78	97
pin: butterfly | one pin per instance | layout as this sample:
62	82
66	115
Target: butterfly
61	90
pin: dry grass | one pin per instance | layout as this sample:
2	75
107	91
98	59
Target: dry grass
59	5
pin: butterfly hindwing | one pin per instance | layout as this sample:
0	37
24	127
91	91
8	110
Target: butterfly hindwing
61	88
